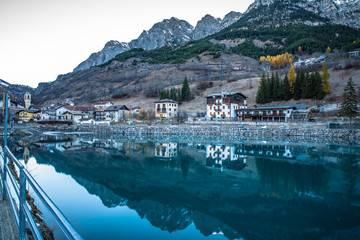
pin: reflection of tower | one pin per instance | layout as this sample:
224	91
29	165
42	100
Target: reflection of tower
26	155
27	99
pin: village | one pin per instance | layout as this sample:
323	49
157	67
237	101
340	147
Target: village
220	107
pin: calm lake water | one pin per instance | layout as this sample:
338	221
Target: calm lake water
146	189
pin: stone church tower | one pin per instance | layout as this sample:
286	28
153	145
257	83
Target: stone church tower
27	99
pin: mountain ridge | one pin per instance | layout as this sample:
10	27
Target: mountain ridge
267	30
171	32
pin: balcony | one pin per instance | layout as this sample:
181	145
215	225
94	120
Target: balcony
217	109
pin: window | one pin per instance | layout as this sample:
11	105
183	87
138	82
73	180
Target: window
228	106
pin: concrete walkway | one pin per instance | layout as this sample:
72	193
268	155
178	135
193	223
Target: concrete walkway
8	229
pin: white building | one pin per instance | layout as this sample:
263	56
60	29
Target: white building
166	108
116	113
223	105
103	104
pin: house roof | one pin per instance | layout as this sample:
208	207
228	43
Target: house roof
166	100
68	107
295	106
225	94
84	108
30	110
116	108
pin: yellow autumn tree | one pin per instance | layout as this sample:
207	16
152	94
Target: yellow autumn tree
292	79
325	79
328	50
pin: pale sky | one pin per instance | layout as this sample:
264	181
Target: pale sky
40	39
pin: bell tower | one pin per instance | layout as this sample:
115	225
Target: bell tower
27	99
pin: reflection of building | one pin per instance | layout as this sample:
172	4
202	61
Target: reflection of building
26	155
166	150
266	150
224	157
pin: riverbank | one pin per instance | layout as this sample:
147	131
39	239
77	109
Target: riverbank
238	132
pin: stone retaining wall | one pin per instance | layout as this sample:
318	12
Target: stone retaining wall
229	133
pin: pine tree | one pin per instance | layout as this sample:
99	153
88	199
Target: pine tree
292	79
298	84
185	90
179	95
275	92
312	90
325	77
271	87
162	94
260	95
306	88
349	106
286	88
173	94
281	91
267	95
319	89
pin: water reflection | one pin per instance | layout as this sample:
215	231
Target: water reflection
250	190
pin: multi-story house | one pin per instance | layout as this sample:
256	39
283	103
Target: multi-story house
116	113
166	108
223	105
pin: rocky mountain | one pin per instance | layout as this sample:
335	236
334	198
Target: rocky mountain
171	32
110	50
269	27
209	25
15	91
206	26
345	12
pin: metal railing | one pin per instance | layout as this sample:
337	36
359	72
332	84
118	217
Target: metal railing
19	206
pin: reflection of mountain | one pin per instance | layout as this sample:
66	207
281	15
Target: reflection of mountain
288	201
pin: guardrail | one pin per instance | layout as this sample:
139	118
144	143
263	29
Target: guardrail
17	197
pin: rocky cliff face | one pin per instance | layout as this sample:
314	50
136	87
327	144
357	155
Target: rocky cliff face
110	50
168	32
206	26
345	12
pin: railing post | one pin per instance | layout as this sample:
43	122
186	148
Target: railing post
5	145
22	204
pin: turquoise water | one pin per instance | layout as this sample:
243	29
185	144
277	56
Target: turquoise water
147	189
